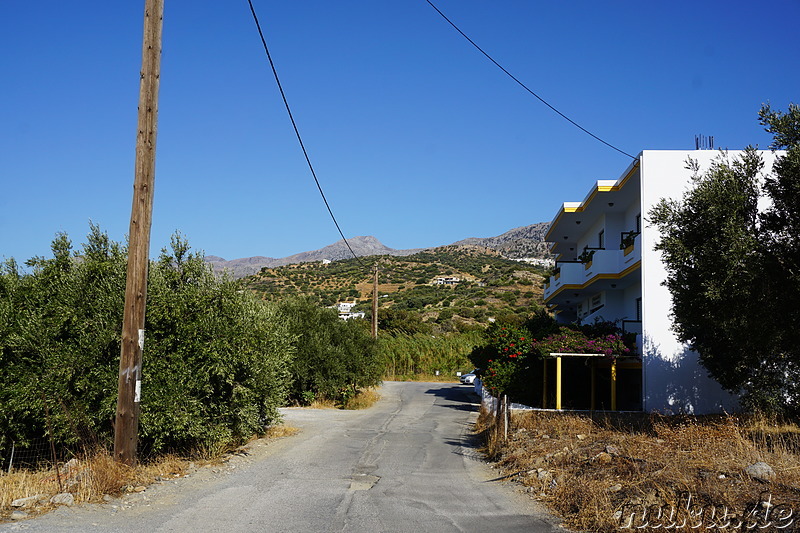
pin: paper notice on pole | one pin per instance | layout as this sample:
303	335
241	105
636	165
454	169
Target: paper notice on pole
141	339
137	394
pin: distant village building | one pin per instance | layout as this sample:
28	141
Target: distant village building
345	307
326	261
345	310
446	280
537	261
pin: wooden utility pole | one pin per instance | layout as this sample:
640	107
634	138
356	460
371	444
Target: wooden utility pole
375	304
126	427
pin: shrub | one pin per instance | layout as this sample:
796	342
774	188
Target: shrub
334	358
214	365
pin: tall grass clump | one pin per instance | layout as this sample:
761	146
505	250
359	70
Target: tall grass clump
407	355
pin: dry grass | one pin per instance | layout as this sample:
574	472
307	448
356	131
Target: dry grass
322	403
363	400
276	432
89	480
591	470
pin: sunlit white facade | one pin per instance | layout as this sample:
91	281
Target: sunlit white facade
607	269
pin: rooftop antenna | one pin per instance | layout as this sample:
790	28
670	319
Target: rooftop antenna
702	142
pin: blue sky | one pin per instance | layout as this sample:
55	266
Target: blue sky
416	138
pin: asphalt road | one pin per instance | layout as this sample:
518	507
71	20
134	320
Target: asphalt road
407	464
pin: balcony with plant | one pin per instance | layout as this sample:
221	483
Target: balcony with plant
628	240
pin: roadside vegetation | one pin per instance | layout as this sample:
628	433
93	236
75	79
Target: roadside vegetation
510	356
420	356
218	361
334	359
605	472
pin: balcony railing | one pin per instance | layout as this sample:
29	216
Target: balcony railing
601	262
566	270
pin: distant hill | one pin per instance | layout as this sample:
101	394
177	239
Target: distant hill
525	241
447	288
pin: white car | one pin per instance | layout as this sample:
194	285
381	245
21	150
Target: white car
468	378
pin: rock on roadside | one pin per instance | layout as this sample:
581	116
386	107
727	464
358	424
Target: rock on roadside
22	503
761	471
65	498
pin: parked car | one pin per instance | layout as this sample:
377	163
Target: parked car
469	377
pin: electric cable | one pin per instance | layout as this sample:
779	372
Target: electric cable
542	100
297	131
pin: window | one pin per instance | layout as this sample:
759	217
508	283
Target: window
639	223
596	303
639	309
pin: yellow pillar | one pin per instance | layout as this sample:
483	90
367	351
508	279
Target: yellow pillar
558	382
594	385
544	383
614	385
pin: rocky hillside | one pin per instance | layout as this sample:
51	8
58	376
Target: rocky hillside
525	241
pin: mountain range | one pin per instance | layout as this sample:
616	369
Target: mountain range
517	243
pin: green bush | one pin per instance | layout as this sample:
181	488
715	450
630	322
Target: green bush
511	353
334	358
215	364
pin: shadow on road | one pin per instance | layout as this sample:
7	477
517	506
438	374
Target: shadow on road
469	445
462	398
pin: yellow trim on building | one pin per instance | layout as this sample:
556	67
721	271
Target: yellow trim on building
585	203
621	275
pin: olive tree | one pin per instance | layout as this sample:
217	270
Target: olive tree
732	270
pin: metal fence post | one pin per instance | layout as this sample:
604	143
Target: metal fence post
11	460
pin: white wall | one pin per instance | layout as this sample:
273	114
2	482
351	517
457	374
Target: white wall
674	381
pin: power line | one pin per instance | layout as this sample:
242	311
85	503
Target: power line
297	131
542	100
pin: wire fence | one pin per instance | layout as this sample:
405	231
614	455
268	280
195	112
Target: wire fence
34	454
41	450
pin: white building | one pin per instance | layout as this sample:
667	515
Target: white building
536	261
607	269
446	280
345	310
345	307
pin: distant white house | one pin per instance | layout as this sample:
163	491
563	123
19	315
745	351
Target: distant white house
446	280
345	307
607	269
345	310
